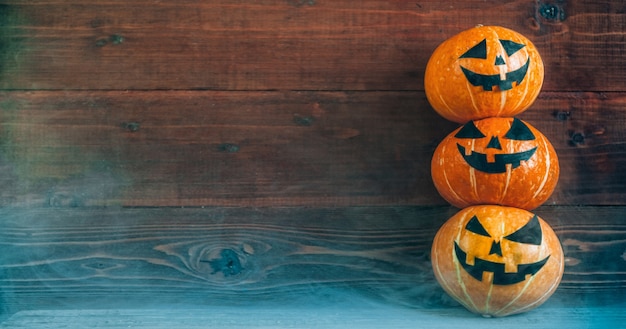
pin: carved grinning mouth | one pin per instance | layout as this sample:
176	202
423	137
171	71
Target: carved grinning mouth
489	81
500	277
479	161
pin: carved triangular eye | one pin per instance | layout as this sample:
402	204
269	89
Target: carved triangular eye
511	47
475	226
529	233
519	131
469	130
478	51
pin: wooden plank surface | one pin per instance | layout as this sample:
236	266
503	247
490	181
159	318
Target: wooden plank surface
367	316
109	128
199	148
289	44
246	108
210	257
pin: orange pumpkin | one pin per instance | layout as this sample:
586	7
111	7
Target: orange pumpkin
497	260
483	72
503	161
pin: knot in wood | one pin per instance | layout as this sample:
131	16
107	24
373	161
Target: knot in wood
228	148
131	126
577	138
227	263
551	12
304	121
562	115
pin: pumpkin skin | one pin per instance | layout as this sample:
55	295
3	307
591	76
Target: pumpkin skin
482	72
502	161
497	261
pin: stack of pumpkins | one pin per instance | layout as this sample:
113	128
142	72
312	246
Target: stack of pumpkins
494	256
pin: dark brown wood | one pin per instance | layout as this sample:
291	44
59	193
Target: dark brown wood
199	148
217	148
73	258
285	44
587	129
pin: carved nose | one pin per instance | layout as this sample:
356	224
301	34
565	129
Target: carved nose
499	60
495	249
494	143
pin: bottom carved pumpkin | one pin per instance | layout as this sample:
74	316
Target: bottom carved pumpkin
496	260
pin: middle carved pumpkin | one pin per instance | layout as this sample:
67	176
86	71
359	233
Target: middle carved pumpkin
503	161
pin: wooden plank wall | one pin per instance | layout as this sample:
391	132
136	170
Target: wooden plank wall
314	105
282	102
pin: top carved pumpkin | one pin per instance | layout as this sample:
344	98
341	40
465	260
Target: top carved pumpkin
486	71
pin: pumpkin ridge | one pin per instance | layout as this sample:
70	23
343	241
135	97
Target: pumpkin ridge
454	194
509	170
468	87
436	267
443	101
537	302
457	267
473	184
445	177
547	173
507	180
521	103
519	295
472	176
488	299
503	99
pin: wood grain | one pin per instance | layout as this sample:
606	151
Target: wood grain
73	258
203	148
289	44
299	134
200	148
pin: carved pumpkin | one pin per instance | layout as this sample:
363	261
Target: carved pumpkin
497	260
483	72
502	161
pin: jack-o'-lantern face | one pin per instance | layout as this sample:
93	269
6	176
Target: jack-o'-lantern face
499	53
497	260
487	258
482	72
501	161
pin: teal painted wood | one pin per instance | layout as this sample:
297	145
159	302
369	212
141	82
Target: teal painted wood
167	257
331	316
